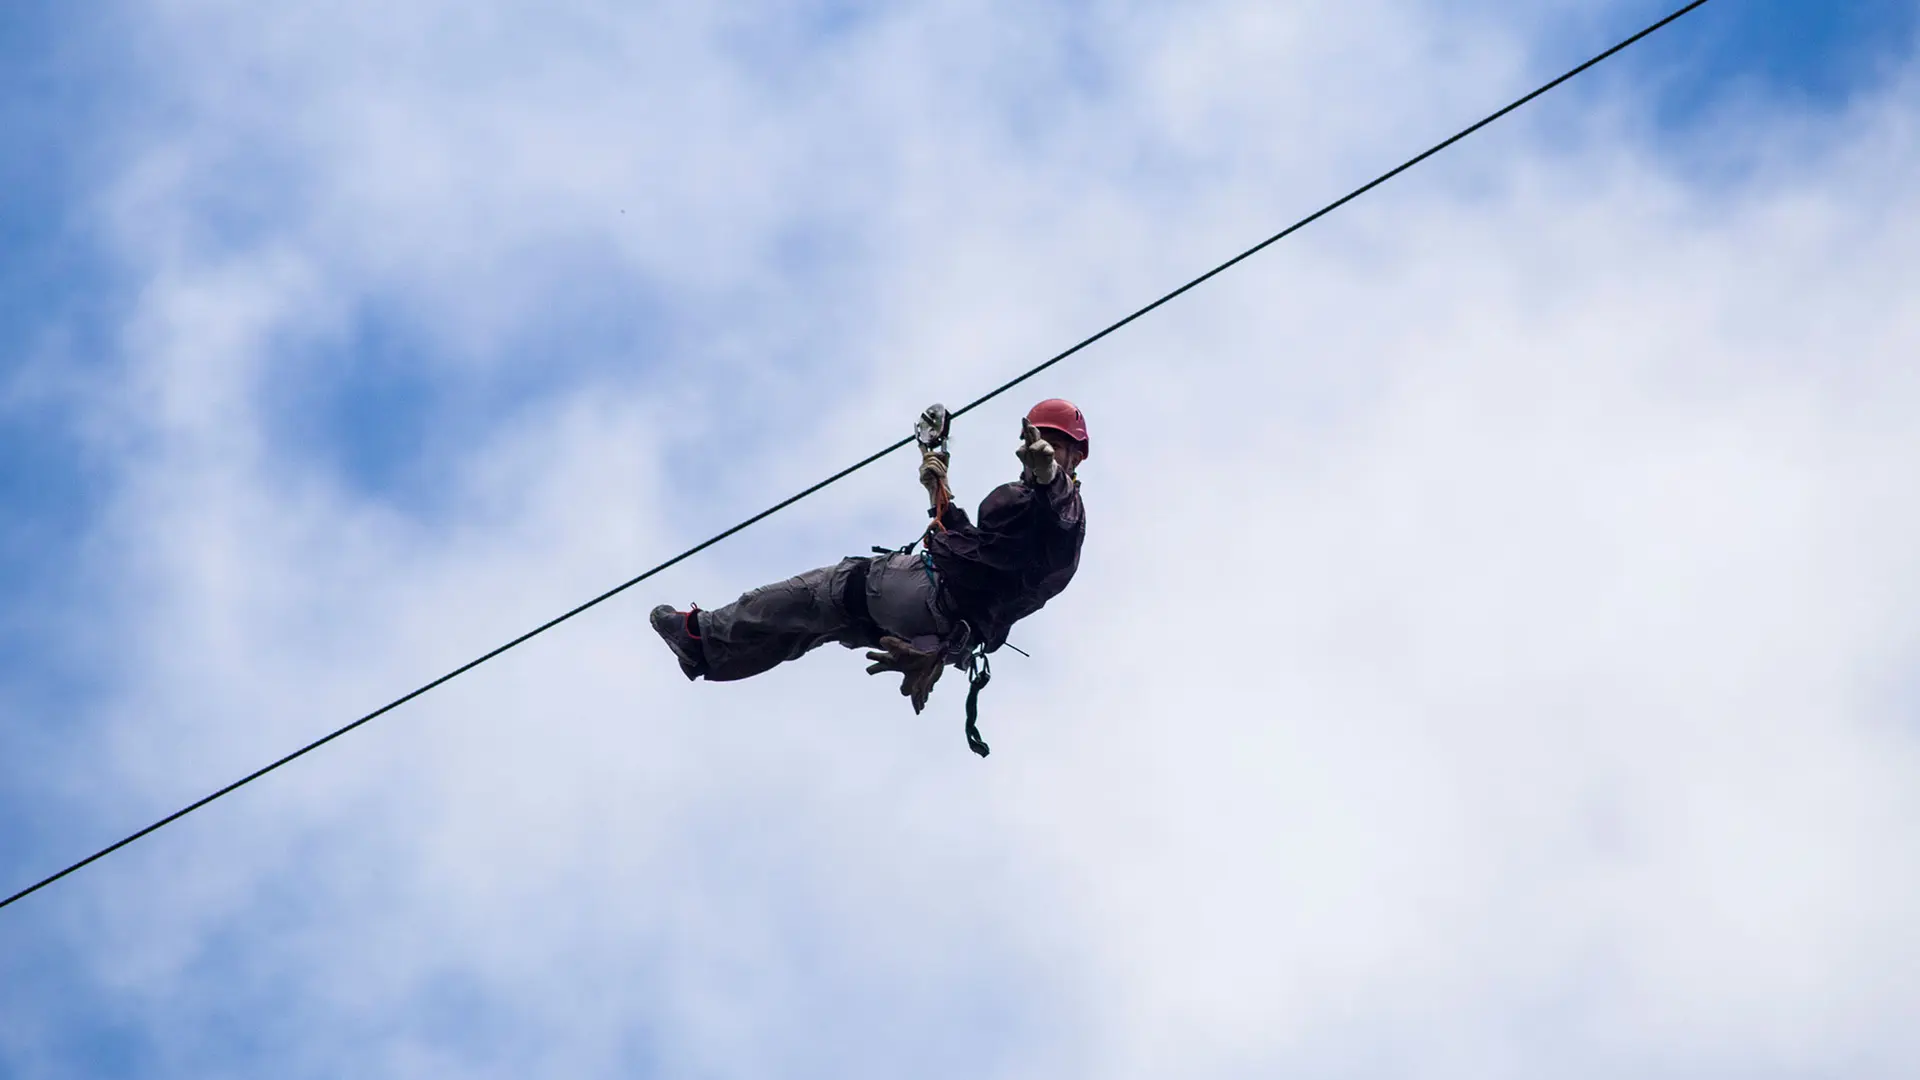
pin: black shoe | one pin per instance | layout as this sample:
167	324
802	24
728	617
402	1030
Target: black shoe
674	627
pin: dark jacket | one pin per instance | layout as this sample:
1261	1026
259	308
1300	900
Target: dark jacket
1020	554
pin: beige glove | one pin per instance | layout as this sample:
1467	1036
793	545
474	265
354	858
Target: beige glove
1036	454
919	670
933	469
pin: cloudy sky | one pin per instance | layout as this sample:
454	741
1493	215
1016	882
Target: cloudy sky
1497	649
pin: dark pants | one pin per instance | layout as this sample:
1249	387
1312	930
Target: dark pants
785	621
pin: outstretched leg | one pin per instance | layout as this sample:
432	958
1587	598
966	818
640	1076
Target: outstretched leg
785	621
765	627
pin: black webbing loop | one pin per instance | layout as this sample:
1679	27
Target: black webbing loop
979	674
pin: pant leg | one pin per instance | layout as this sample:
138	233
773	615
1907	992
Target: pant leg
776	623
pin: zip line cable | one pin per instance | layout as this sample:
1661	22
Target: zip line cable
871	458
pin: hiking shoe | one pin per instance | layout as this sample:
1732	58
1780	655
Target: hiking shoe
674	628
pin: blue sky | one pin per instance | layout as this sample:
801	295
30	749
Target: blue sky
369	400
1818	55
53	290
55	302
368	410
60	81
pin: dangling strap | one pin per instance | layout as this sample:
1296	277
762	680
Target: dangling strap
854	600
979	674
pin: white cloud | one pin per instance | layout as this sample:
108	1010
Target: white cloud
1490	654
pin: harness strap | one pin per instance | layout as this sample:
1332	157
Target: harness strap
854	600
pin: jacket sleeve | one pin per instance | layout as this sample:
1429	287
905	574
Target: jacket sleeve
1062	498
1056	504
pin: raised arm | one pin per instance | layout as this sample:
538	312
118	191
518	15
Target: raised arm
930	432
1045	493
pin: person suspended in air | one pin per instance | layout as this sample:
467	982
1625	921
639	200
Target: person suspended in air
949	604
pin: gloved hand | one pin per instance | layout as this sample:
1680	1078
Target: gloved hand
933	470
919	670
1036	454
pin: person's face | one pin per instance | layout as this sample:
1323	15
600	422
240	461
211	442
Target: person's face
1066	451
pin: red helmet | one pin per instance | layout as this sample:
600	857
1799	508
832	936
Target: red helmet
1060	415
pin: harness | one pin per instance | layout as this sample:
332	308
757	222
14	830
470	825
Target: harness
931	432
959	648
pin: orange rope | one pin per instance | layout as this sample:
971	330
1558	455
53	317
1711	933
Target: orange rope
942	498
